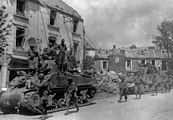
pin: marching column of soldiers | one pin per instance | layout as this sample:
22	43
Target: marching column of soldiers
163	84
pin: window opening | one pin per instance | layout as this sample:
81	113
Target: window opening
20	37
52	17
75	24
20	9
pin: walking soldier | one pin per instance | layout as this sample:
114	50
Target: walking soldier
123	89
138	86
71	95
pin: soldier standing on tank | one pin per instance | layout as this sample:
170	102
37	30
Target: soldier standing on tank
62	54
33	57
51	51
71	61
123	89
71	95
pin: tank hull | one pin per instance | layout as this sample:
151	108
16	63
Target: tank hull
20	98
28	100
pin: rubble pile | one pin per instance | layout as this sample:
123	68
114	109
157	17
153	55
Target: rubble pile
107	84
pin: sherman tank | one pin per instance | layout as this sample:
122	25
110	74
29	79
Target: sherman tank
19	97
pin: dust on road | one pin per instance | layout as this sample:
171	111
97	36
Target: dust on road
158	107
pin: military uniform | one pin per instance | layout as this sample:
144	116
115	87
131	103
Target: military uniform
138	86
50	52
33	57
71	62
71	95
43	89
62	54
123	89
155	83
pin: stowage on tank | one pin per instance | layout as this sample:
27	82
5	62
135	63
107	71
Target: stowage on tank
22	95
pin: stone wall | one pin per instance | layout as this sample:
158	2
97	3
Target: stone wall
36	23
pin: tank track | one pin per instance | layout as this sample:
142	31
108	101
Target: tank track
71	107
32	103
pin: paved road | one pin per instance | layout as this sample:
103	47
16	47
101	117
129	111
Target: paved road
158	107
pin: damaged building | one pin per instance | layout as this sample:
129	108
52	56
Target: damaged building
128	59
43	20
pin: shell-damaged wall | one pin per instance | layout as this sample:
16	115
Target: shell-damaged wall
36	23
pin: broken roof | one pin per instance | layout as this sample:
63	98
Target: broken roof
145	53
61	6
102	53
89	44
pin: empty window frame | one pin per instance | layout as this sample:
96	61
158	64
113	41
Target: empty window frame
52	17
153	62
75	48
105	64
164	65
129	64
142	63
20	37
75	24
20	7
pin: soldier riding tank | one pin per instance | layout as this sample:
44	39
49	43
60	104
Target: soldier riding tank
19	97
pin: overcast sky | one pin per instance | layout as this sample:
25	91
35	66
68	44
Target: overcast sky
122	22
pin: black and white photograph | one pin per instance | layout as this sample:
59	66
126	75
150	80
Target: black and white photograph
86	59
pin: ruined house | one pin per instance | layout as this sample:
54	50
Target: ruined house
128	59
116	60
89	54
101	59
42	20
143	56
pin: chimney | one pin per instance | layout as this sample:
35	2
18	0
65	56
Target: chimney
114	46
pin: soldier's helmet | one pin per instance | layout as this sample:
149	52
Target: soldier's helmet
43	68
21	73
70	79
32	42
41	76
62	40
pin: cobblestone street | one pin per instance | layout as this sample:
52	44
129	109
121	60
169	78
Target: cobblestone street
158	107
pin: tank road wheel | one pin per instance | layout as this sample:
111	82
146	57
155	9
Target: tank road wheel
35	100
90	95
61	103
34	103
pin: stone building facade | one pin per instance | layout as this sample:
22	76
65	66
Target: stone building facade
127	59
42	20
101	59
116	60
142	56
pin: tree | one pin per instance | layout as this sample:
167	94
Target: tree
4	29
133	46
165	39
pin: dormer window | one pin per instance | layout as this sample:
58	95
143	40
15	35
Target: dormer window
20	8
52	17
75	24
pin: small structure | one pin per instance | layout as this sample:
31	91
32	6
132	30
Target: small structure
117	60
142	56
101	59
